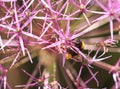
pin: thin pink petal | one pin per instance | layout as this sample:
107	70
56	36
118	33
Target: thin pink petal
10	40
101	5
111	28
68	28
5	82
8	0
15	60
1	44
22	45
93	76
47	28
29	55
53	45
86	82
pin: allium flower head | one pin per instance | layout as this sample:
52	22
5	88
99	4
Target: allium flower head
112	10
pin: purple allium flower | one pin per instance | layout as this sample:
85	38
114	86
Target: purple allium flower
63	42
42	81
106	43
111	10
50	25
37	81
82	6
7	0
16	30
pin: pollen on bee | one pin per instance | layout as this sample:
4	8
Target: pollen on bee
68	56
83	45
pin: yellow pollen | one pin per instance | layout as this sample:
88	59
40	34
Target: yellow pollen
68	56
82	6
11	12
54	17
28	13
83	45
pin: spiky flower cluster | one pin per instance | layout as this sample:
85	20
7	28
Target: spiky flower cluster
60	28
